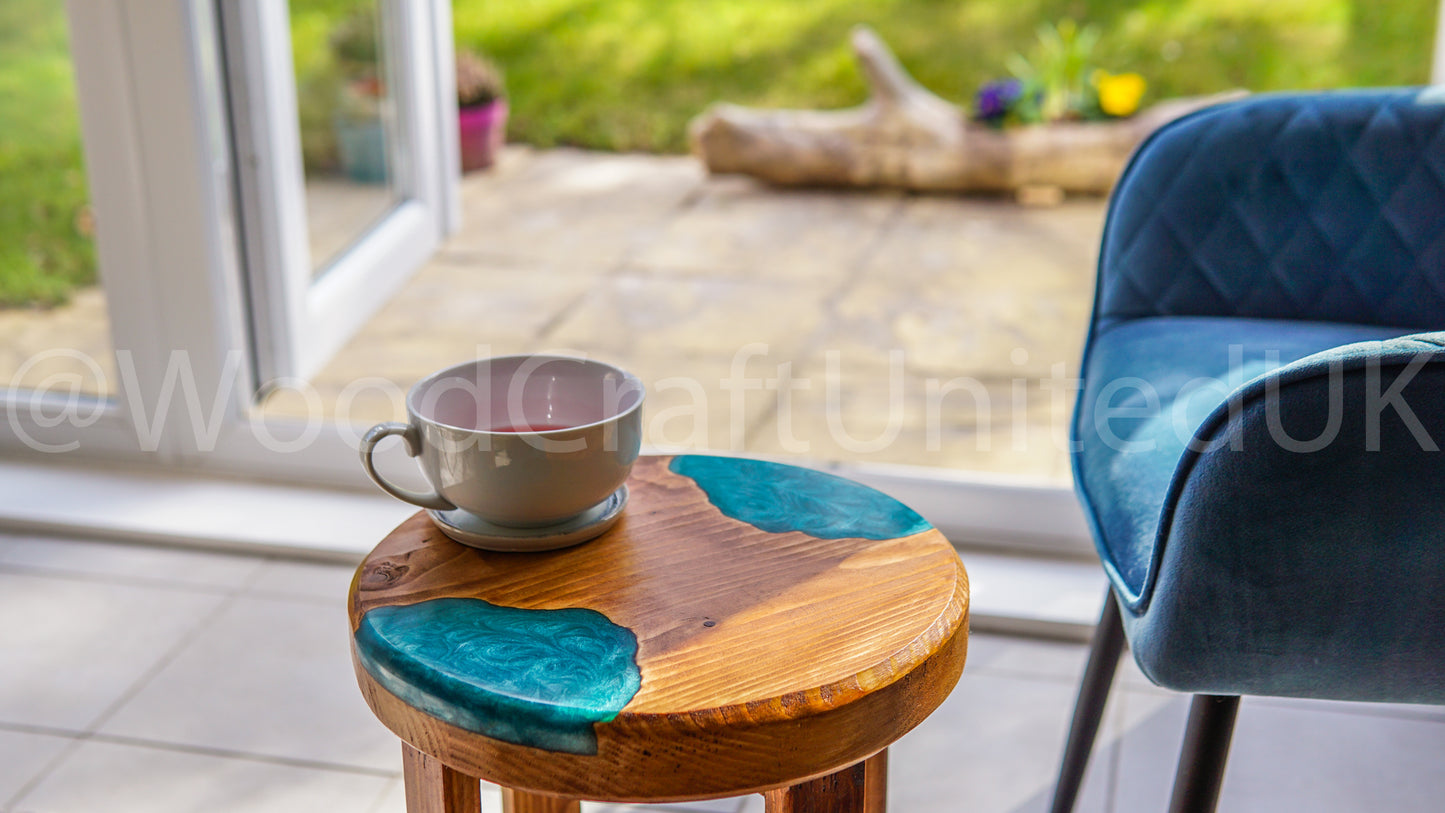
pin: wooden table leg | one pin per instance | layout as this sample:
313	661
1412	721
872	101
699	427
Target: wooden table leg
861	788
520	801
432	787
875	783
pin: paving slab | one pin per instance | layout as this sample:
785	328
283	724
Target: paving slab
745	229
48	347
632	316
572	205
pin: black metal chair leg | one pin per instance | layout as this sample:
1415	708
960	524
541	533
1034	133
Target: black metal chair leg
1206	750
1089	708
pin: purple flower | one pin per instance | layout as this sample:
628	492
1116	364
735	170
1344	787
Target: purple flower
995	98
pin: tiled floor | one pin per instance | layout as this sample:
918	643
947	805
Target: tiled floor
158	680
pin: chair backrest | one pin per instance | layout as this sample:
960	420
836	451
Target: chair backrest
1320	206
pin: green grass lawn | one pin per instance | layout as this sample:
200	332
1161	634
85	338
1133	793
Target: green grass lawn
45	250
629	74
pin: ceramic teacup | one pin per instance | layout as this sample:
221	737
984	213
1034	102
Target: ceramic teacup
519	441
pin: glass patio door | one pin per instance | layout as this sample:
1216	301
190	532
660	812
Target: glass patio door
344	150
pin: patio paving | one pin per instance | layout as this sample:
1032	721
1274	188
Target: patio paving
51	347
863	326
169	681
872	326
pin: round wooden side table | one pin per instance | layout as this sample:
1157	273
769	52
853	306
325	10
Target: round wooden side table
746	627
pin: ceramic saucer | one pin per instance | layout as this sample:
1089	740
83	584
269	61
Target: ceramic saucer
470	529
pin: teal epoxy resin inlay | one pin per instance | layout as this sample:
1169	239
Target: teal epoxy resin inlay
532	677
779	498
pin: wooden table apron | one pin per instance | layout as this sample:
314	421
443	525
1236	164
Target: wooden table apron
765	656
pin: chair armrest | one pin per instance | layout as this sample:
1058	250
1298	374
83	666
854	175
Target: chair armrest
1302	545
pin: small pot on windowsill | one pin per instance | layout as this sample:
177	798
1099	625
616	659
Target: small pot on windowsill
481	110
482	130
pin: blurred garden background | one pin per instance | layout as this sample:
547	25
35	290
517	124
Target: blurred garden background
627	75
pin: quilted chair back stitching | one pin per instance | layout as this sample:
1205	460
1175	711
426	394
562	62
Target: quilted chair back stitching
1336	196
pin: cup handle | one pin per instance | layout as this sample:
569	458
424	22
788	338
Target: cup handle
409	436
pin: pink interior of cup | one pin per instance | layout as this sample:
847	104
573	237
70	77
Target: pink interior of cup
525	394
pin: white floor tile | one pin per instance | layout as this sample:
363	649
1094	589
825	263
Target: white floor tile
1008	593
22	756
393	799
130	779
1430	713
135	564
1005	656
83	644
992	747
270	676
308	580
1290	757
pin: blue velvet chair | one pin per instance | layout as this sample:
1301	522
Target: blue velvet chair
1256	437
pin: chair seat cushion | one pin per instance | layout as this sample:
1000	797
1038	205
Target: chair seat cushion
1150	383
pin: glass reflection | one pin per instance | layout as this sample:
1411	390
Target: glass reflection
347	115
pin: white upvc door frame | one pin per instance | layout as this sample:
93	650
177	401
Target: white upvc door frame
158	189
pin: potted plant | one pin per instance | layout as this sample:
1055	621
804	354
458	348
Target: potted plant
1059	84
359	121
481	110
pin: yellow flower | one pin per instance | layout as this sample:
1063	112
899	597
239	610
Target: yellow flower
1119	93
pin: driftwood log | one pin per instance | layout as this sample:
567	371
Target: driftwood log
906	137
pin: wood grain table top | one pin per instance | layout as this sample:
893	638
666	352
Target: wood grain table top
780	621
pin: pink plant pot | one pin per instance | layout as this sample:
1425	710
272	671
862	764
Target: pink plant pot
482	131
